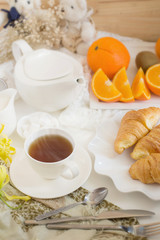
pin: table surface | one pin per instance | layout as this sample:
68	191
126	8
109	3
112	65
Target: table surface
133	200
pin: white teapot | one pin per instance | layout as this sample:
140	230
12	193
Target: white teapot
48	80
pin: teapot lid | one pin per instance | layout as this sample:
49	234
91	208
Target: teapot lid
47	65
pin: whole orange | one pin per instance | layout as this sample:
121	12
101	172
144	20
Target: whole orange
109	54
157	47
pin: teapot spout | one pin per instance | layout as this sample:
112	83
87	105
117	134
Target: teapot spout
81	80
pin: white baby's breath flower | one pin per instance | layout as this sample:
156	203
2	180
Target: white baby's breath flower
51	3
41	28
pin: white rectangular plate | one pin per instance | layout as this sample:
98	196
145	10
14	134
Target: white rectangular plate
134	48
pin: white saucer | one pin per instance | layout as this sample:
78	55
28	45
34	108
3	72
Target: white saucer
30	183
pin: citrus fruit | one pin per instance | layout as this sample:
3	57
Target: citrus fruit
157	47
153	78
139	88
121	82
109	54
103	88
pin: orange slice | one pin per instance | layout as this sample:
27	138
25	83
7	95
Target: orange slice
139	88
103	88
153	78
121	82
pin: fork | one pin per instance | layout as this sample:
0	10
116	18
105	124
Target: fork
139	230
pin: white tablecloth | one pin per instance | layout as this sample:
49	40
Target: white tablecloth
82	122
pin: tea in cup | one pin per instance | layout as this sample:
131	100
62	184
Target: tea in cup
51	153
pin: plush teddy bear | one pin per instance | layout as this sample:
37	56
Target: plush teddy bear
79	27
18	8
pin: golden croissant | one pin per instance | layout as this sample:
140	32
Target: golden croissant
148	144
147	169
134	126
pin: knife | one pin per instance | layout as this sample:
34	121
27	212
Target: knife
113	214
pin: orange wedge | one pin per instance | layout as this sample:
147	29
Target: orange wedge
153	78
103	88
121	82
139	88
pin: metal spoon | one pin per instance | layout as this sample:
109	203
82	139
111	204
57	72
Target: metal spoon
92	198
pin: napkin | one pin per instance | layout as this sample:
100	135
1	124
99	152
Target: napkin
12	222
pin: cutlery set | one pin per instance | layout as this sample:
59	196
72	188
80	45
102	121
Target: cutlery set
94	198
140	230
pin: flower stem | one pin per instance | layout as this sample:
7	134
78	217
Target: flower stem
14	208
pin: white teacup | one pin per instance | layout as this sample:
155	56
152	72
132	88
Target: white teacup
42	140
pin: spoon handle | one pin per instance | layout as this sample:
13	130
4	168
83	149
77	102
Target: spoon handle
54	212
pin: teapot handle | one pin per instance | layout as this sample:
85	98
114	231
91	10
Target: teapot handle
19	48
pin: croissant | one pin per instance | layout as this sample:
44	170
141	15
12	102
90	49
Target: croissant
135	125
148	144
147	169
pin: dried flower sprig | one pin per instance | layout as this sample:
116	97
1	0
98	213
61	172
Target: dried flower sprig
44	28
4	180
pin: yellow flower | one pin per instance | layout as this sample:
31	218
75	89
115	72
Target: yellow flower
5	147
10	198
4	179
2	127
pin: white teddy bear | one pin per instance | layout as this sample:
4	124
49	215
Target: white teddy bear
79	28
18	8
